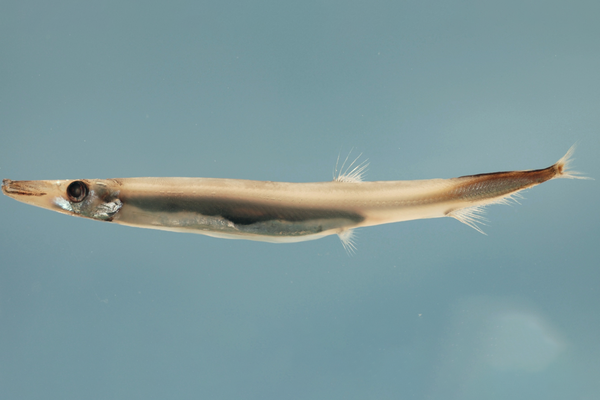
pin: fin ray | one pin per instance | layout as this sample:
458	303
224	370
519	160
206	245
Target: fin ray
348	238
563	166
354	173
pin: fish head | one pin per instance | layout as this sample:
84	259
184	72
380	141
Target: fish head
90	198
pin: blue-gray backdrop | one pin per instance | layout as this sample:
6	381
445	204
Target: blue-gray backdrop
274	90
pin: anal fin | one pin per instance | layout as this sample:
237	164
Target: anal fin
348	238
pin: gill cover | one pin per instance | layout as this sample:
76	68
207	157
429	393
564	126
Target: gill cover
91	199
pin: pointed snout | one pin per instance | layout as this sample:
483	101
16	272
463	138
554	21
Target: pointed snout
15	189
35	193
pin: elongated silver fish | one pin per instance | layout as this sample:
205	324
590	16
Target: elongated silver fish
279	211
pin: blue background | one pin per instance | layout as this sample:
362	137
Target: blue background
274	90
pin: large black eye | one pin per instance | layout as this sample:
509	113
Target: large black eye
77	191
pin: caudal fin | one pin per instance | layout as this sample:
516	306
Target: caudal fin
472	215
563	167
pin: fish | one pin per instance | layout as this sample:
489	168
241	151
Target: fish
282	212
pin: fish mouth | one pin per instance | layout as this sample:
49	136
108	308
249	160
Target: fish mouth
35	193
22	188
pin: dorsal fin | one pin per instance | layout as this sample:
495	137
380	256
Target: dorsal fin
353	173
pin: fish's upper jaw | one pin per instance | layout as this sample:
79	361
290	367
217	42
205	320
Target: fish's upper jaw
5	186
35	193
22	188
